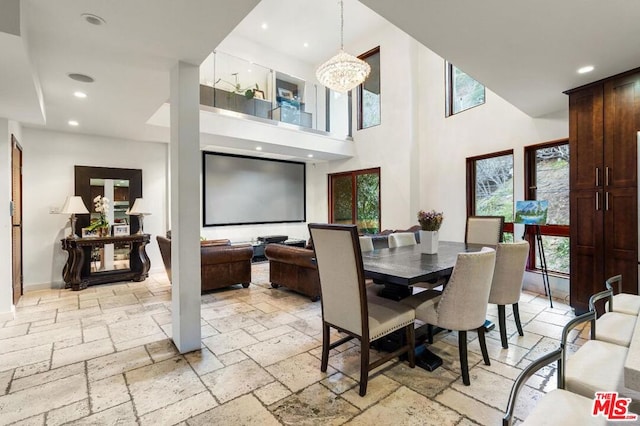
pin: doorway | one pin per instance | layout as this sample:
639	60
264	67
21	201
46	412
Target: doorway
16	219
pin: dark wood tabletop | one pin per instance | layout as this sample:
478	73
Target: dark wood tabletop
408	265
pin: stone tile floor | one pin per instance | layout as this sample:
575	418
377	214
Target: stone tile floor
103	356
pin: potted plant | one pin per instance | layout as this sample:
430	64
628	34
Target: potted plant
430	223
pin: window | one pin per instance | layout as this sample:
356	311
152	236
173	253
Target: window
369	92
547	178
490	186
463	92
355	198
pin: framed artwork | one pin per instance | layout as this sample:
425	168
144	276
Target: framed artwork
285	93
119	230
531	212
89	234
258	94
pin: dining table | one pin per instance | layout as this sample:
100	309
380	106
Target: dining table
399	269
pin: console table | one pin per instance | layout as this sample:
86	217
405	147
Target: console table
77	271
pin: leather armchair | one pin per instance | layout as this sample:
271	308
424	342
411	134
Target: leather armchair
222	264
292	267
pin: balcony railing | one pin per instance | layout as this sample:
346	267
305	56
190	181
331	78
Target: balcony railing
231	83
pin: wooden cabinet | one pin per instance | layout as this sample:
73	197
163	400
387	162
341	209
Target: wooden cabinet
604	120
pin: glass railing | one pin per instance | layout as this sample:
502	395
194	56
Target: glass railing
234	84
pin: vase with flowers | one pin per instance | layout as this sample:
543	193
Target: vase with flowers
101	223
430	223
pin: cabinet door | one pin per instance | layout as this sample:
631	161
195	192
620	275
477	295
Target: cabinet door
621	237
621	125
586	138
587	269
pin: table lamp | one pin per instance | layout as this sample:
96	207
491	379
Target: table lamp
139	209
73	206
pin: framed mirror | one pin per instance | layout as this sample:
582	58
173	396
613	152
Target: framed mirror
121	187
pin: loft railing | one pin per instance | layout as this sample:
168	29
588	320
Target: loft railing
234	84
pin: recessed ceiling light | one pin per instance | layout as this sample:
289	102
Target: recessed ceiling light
306	44
93	19
73	123
80	77
310	155
258	148
264	26
586	69
79	94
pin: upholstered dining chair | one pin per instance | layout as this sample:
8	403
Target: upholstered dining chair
344	300
400	239
463	303
511	260
366	244
622	302
485	230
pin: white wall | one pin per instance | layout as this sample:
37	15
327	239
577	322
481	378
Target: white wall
6	302
48	178
422	153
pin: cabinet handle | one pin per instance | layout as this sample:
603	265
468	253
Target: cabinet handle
597	176
597	200
606	200
606	176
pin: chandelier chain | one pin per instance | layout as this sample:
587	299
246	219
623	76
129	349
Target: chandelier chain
341	25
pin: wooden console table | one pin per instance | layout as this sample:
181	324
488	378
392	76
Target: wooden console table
77	271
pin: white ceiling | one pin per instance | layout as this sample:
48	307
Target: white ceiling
527	52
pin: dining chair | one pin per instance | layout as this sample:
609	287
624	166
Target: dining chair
366	244
401	239
344	300
511	260
463	303
484	230
624	303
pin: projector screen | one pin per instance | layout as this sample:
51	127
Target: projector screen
240	190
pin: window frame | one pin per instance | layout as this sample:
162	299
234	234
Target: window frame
449	91
360	88
471	183
530	186
354	191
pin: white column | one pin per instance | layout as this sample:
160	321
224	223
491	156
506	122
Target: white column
185	206
6	290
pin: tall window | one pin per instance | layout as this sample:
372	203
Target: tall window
490	186
369	92
355	198
547	178
463	92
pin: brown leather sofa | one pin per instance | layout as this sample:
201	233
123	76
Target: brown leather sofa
222	264
292	267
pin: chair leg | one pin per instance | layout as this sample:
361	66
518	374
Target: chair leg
411	341
325	347
483	346
503	326
516	316
364	367
464	364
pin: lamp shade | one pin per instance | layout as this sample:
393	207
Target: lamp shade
74	205
139	208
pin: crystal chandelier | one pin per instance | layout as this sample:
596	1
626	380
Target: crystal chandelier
342	72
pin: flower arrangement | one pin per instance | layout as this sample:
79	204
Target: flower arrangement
431	220
101	205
